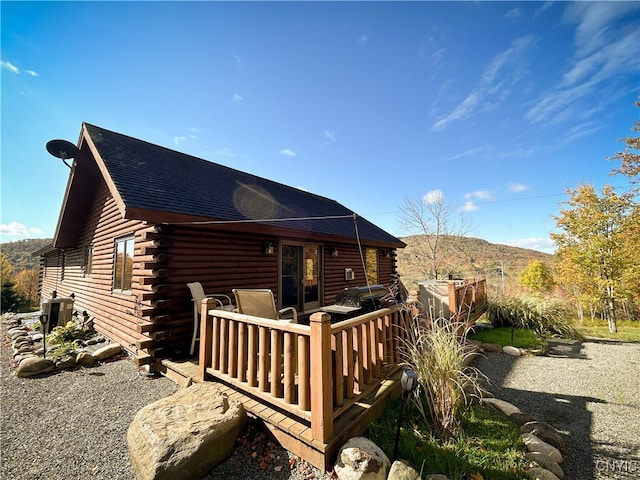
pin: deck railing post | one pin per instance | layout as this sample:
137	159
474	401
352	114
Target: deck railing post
321	381
206	338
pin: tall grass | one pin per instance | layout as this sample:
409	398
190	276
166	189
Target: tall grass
446	384
547	317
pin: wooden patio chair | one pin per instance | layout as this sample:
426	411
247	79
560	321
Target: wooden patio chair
197	295
259	302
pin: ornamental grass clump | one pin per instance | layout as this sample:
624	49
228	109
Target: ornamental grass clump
546	317
447	384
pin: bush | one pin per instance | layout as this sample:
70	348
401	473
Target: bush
446	384
548	318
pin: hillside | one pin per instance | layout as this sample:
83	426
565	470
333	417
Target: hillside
20	253
474	257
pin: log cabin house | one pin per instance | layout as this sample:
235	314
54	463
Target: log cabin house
140	221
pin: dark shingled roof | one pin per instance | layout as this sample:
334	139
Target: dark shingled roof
151	177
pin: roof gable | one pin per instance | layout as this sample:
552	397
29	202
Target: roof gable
154	182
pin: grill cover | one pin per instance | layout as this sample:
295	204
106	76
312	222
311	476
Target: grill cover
367	298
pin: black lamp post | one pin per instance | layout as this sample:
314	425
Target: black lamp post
409	383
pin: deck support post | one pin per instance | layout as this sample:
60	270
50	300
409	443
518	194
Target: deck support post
321	373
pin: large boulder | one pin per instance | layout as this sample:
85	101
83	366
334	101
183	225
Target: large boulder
361	459
184	436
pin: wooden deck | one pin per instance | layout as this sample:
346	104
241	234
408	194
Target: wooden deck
314	386
292	434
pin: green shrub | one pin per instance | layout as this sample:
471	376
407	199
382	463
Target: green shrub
68	333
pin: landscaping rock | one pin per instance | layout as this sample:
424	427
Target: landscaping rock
65	362
107	351
501	406
436	476
541	474
34	366
534	444
184	436
521	418
491	347
541	460
361	459
85	359
546	433
509	350
402	470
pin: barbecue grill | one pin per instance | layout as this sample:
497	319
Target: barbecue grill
367	299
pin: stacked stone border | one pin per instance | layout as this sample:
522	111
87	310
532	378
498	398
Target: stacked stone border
29	354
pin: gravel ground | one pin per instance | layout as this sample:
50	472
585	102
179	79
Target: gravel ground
73	425
588	391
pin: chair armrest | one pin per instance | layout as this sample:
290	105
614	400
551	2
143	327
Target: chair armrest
218	296
293	312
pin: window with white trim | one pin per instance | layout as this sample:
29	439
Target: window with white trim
123	264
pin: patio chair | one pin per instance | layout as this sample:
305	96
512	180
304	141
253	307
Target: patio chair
197	294
259	302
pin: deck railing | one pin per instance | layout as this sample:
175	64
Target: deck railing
468	299
314	372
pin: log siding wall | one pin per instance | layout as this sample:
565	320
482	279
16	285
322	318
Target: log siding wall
155	319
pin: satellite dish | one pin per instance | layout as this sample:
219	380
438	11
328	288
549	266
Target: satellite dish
62	149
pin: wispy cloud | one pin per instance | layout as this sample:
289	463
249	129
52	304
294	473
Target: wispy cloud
18	230
505	69
178	140
288	152
513	14
13	69
605	52
237	97
469	206
329	135
516	187
9	66
363	39
434	196
479	195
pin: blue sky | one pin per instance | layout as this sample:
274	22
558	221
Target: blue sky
501	106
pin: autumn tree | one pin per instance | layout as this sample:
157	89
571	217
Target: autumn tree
10	299
537	277
26	283
440	230
630	157
594	228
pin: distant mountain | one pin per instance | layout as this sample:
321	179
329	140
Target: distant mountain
20	253
474	257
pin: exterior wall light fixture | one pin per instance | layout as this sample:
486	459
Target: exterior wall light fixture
269	249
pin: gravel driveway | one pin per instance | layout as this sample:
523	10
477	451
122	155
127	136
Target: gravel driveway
588	391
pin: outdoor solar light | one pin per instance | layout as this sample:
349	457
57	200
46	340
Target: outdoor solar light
408	382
